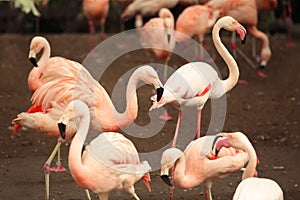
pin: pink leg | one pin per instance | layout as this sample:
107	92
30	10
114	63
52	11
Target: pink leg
176	130
172	182
198	124
92	34
173	146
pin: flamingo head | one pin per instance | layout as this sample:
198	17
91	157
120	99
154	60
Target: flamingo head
236	140
71	113
150	77
230	24
36	46
168	160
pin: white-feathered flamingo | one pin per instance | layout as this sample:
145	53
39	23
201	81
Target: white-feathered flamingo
197	164
259	188
57	82
109	162
194	83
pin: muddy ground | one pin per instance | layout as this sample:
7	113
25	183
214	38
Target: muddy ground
266	109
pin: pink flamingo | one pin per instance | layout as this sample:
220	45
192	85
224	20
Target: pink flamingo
96	12
194	83
145	8
158	32
259	188
62	81
38	44
196	20
245	11
197	164
109	162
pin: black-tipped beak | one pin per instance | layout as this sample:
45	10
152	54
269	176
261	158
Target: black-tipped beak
33	61
159	93
169	37
62	129
244	40
166	179
214	143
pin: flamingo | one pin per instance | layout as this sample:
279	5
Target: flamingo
259	188
96	12
194	83
109	162
197	164
145	8
63	80
158	32
196	20
245	11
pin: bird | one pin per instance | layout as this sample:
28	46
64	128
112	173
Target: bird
194	83
145	8
198	163
38	44
239	140
96	11
196	20
64	80
245	11
259	188
109	162
158	38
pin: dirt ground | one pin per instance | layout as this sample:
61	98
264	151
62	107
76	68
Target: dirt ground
266	109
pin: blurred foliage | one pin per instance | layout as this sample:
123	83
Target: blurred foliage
27	6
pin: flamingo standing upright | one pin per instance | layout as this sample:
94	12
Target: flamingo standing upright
260	188
197	164
96	11
159	33
62	80
196	20
194	83
245	11
109	162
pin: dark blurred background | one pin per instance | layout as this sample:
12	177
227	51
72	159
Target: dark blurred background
61	16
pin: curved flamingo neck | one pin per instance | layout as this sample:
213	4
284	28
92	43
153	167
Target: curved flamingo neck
130	113
233	77
43	61
182	178
251	167
79	172
36	73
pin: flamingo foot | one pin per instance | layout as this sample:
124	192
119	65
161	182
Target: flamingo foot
259	72
242	82
166	117
57	168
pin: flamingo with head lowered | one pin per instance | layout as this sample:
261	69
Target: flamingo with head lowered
109	162
194	83
59	81
260	188
198	164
